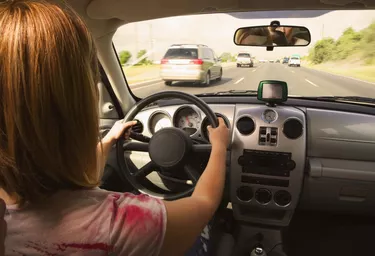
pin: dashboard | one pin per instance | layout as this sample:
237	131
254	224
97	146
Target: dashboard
284	157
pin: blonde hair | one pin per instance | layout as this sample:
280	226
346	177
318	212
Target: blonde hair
48	100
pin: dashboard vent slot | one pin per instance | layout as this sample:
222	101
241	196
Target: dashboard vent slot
138	128
268	136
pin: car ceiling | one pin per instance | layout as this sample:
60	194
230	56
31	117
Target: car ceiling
105	16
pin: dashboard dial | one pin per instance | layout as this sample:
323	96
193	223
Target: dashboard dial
159	121
187	119
269	116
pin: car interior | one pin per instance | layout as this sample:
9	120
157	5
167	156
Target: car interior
300	171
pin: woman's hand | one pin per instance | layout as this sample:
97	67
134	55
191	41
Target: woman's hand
117	130
219	137
105	145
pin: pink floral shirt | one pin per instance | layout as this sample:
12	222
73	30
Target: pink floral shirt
87	222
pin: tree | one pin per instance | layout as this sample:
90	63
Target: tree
144	61
124	57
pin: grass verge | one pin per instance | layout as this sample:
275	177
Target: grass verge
363	72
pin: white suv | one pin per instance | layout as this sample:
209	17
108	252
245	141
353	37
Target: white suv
294	61
244	59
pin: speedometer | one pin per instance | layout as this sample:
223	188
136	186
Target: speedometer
187	119
158	121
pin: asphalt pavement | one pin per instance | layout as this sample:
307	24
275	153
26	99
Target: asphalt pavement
301	81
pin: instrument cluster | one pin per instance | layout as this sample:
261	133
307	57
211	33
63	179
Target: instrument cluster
186	118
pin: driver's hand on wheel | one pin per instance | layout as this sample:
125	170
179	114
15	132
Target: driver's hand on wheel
117	130
219	137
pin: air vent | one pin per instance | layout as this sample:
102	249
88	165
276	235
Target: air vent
293	129
138	128
268	136
282	198
245	125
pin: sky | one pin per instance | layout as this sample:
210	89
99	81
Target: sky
217	30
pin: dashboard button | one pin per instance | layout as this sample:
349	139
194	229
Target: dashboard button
291	165
241	160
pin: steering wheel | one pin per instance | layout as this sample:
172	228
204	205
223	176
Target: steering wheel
169	148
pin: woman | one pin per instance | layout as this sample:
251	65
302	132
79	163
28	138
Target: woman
3	227
255	36
50	159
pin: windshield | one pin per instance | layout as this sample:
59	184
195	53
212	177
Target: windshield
244	55
182	53
196	54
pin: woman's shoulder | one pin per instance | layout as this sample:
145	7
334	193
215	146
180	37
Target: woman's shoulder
116	202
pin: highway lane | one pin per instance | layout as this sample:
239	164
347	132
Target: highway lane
301	82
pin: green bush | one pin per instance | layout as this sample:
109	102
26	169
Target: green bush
124	57
322	50
225	57
368	44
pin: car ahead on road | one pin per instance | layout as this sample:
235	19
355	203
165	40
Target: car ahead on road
294	61
190	63
244	59
286	60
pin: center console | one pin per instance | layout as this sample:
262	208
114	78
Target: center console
268	160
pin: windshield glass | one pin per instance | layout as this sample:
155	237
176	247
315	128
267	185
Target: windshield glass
185	53
196	54
244	55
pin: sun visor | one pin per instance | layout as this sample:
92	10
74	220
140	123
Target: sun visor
130	11
368	3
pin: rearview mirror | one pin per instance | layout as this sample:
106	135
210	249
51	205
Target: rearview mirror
272	36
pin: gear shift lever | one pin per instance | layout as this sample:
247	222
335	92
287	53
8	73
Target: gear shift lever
258	251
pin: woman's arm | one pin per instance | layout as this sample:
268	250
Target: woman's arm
187	217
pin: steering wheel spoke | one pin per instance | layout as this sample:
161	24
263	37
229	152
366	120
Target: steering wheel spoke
202	148
192	173
135	146
145	170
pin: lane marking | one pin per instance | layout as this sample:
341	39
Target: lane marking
146	86
307	80
292	71
254	70
239	80
145	82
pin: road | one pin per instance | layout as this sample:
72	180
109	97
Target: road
301	82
